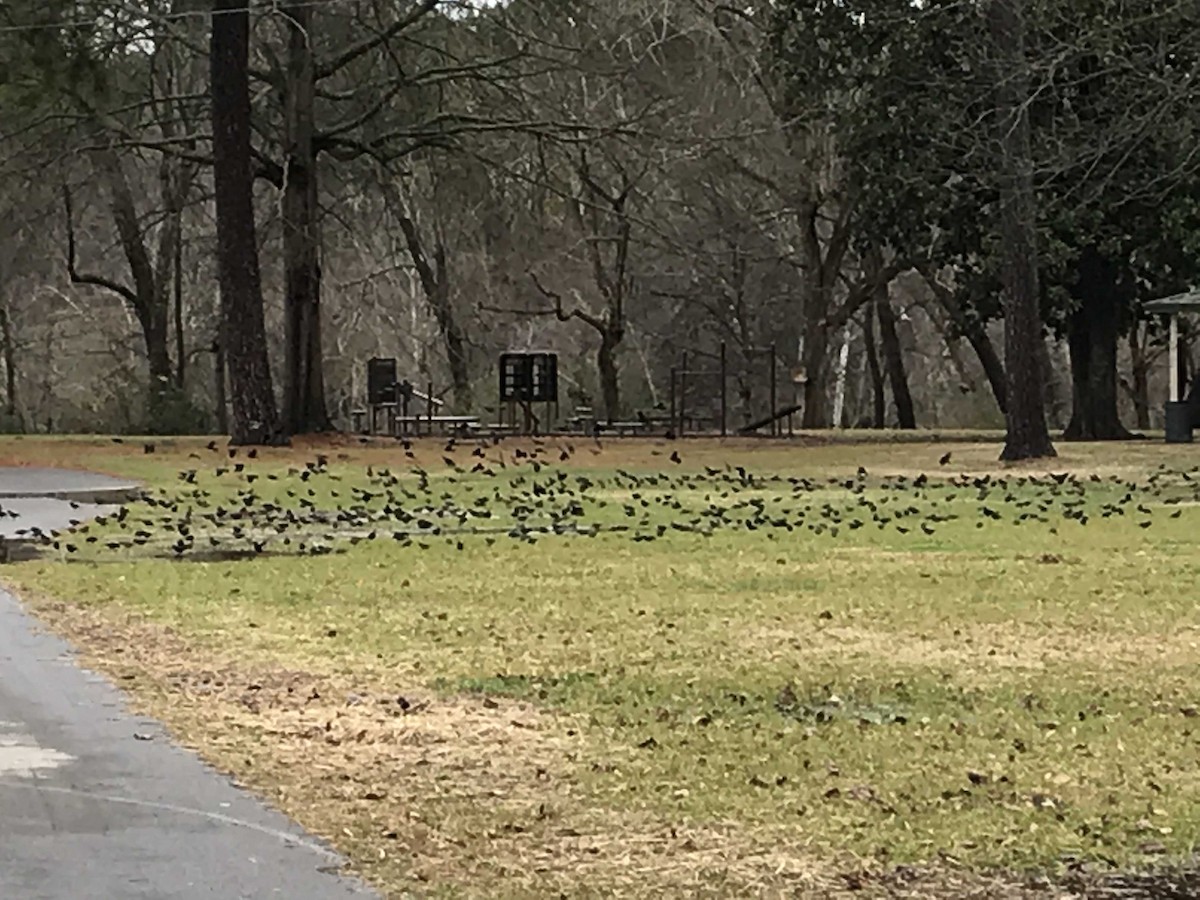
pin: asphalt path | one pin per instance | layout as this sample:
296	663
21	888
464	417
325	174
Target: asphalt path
97	803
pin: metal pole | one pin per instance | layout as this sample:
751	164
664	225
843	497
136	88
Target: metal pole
774	404
724	400
429	405
1174	358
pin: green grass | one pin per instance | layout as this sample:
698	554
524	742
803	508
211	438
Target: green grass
1006	696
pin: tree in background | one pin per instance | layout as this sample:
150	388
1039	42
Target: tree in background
1027	435
243	333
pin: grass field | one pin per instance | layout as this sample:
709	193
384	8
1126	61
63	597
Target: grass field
596	669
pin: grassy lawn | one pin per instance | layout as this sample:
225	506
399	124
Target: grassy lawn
846	667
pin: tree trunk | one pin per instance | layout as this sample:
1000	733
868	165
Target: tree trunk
442	303
10	363
814	357
219	380
460	372
815	362
893	358
435	283
304	409
180	346
610	226
1092	336
878	409
243	333
606	366
989	359
1027	436
148	296
976	334
1139	365
154	328
1189	378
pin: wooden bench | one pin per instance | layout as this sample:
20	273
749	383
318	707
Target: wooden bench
620	428
579	422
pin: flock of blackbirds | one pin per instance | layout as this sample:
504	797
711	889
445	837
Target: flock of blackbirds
486	491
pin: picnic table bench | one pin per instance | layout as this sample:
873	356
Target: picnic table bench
445	424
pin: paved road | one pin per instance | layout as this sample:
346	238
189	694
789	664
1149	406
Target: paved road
97	804
21	481
19	514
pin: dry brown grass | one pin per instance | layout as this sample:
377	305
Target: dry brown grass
346	755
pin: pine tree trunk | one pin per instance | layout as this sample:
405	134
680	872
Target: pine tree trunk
304	408
1027	435
243	333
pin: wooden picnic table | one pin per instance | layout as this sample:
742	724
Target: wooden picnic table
400	424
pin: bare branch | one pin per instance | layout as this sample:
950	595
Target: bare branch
74	274
563	315
354	51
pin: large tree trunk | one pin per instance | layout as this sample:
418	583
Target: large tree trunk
606	367
893	358
815	362
243	333
456	356
1092	335
304	409
219	392
814	356
1027	435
